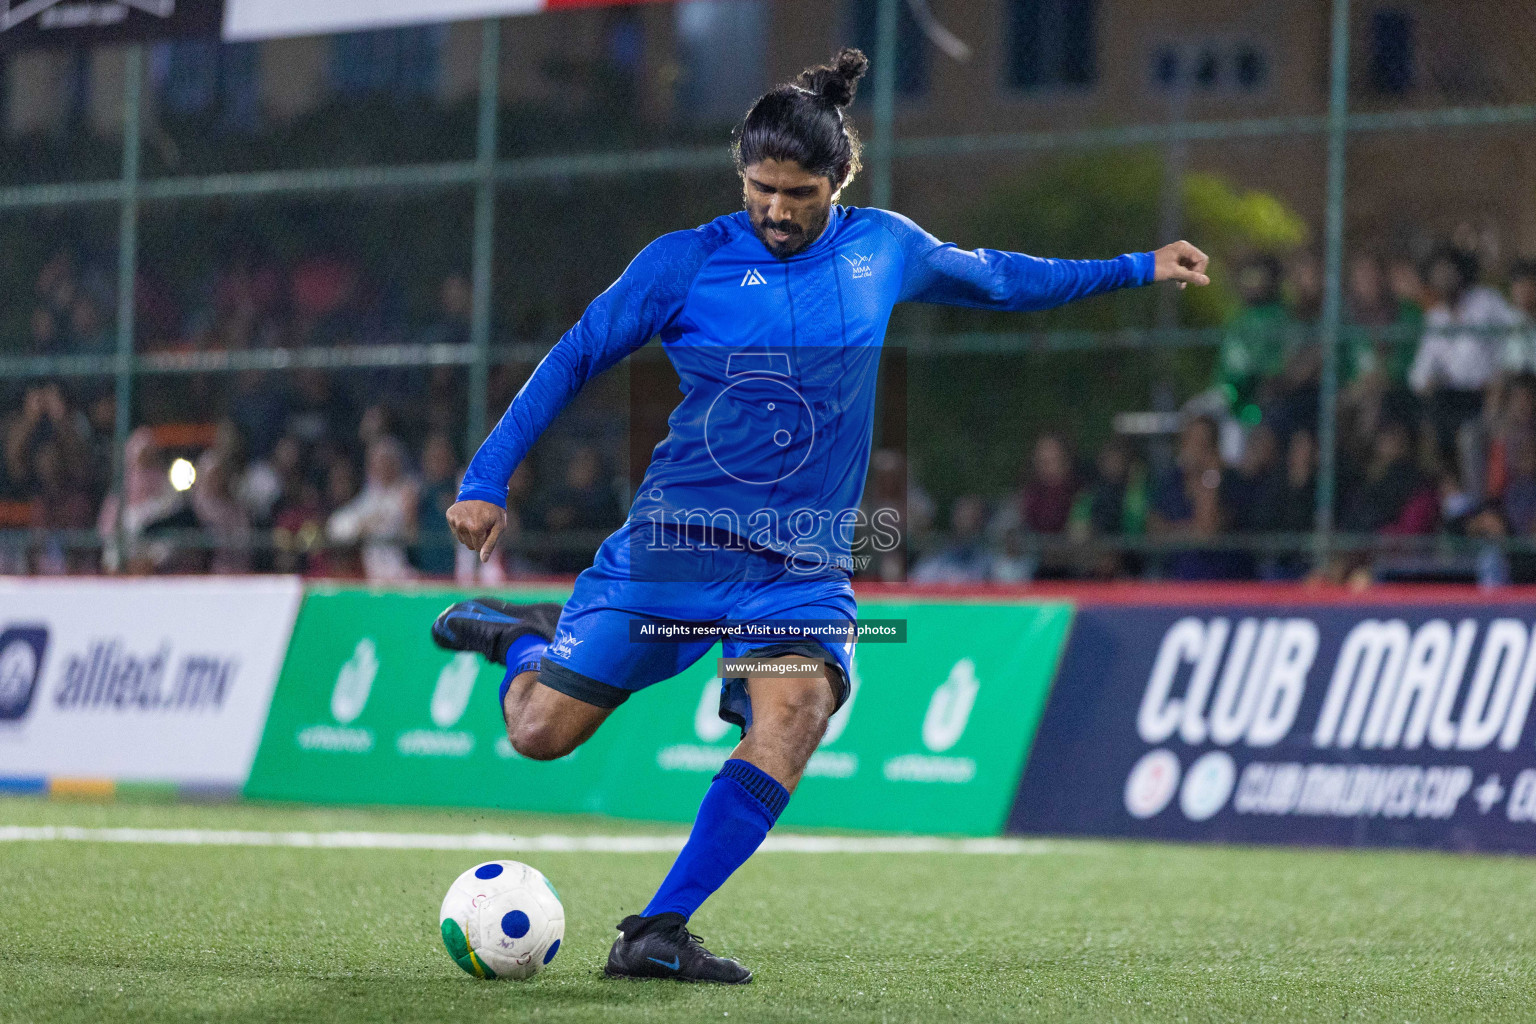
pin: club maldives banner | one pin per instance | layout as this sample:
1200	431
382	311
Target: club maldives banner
139	680
1334	724
367	710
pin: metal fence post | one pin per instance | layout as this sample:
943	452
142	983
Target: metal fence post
484	231
884	135
1333	263
1171	203
127	273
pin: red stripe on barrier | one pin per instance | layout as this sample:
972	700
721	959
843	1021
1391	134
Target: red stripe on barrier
1128	593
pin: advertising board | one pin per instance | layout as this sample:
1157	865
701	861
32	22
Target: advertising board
139	680
1329	724
369	711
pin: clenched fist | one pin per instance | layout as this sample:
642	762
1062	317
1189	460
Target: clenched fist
478	525
1181	262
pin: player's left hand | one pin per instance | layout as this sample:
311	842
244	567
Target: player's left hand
1181	262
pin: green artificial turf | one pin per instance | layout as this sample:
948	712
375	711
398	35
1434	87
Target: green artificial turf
1082	931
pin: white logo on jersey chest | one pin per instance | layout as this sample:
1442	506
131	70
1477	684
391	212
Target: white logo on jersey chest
860	264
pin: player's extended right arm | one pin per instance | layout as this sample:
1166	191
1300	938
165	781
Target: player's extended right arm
619	321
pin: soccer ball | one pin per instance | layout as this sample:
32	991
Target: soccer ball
502	919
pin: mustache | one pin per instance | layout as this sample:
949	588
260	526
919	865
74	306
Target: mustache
788	226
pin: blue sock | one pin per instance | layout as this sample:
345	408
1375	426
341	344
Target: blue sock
741	806
522	656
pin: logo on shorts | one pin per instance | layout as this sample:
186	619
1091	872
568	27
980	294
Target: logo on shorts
565	645
21	658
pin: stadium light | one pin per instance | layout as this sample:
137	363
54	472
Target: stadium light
183	475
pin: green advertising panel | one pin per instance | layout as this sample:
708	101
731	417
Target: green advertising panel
367	710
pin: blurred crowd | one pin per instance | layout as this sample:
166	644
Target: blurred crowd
1436	437
347	474
337	505
335	474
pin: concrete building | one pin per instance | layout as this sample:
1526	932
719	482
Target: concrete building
681	69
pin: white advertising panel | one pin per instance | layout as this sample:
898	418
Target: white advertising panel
263	19
140	680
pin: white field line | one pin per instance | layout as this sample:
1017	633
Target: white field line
509	843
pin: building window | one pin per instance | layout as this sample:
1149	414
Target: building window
624	43
911	45
1051	44
1210	66
1391	52
1250	68
1205	69
77	89
203	77
405	63
721	45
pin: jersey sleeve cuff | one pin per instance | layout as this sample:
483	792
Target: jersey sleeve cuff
478	492
1144	267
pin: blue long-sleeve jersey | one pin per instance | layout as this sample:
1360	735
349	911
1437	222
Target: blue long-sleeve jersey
777	360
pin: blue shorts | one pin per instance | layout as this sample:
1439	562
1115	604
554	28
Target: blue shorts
599	654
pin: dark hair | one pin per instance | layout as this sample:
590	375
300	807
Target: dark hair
1465	262
1395	422
803	121
1525	380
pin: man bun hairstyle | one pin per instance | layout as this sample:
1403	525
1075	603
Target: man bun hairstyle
803	121
837	82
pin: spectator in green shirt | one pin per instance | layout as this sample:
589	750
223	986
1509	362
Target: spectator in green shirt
1253	348
1380	323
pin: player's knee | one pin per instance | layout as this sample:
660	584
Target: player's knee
539	740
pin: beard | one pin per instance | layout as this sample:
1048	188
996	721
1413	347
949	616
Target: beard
799	237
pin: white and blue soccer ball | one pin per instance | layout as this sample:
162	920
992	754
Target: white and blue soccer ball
502	919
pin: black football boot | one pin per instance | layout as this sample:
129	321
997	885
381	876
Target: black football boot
487	626
661	946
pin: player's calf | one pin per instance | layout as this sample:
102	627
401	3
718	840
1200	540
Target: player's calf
541	741
744	801
789	718
543	723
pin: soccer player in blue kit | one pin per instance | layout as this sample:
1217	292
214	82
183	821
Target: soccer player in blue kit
773	318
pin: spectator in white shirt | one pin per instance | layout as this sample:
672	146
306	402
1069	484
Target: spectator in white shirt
1466	333
1520	356
1461	347
382	517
